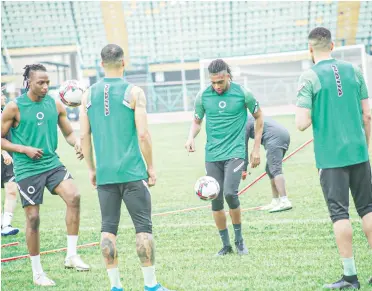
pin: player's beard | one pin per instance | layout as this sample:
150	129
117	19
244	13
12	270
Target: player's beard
312	58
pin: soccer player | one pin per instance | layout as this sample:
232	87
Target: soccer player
275	139
10	187
225	104
32	119
332	96
115	114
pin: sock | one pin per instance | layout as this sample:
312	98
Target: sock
349	266
36	265
71	245
114	277
284	198
224	234
238	232
149	276
7	219
275	200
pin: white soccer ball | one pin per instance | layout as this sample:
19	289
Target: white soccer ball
71	93
207	188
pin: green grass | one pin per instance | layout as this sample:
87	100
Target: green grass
293	250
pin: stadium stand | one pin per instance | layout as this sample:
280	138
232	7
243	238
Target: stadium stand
163	30
162	34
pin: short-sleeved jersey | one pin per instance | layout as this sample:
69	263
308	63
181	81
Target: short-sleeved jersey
333	91
226	116
115	138
37	128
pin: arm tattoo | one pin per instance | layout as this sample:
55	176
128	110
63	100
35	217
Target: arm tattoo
145	248
108	250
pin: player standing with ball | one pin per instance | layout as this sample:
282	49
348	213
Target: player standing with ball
33	119
225	104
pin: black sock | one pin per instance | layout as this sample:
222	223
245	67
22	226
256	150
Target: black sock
224	234
351	279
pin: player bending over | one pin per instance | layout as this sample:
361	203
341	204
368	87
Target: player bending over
275	139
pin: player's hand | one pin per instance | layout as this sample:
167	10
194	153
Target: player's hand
92	178
33	153
190	145
78	150
244	175
255	158
152	177
7	158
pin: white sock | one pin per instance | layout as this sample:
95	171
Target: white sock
275	200
114	277
149	276
284	198
36	265
7	219
71	245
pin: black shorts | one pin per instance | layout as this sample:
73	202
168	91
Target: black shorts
336	183
274	161
31	189
7	173
137	199
228	175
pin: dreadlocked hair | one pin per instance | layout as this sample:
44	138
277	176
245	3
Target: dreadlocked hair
219	65
31	68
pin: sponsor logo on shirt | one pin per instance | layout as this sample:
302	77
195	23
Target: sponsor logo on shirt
338	81
106	99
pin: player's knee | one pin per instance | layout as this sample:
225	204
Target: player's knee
340	216
217	204
110	227
74	198
144	228
11	189
275	169
363	211
232	200
33	221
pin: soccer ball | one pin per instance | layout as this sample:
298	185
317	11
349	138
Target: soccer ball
71	93
207	188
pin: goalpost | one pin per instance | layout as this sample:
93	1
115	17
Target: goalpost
273	78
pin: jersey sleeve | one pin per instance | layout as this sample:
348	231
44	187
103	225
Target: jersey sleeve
362	83
199	110
305	90
249	100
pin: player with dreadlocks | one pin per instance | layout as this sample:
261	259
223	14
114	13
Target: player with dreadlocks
32	119
225	104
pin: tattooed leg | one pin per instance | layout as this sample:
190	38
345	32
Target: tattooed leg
145	249
109	251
